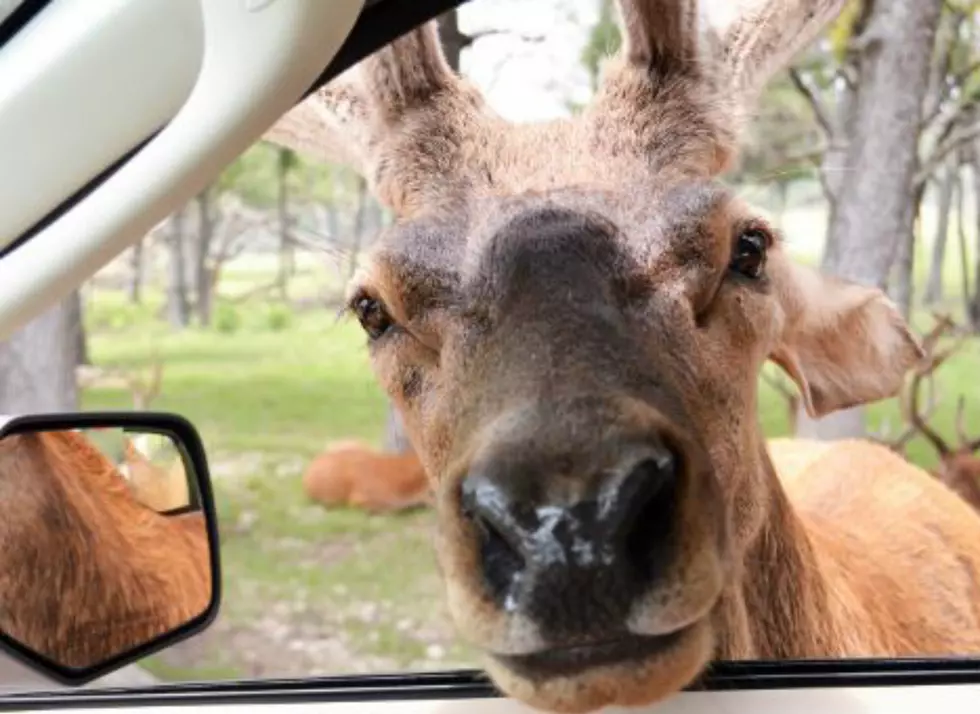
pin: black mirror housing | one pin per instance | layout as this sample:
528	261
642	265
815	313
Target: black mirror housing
109	547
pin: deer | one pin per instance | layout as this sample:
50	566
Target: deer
959	465
87	572
352	473
143	388
162	489
570	317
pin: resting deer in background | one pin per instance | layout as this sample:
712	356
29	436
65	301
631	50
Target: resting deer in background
352	473
959	465
162	489
144	389
571	318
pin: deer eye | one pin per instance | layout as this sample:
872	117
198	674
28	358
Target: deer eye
372	315
749	255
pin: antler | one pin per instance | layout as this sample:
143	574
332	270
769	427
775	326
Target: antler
765	36
967	445
398	117
898	443
930	364
420	134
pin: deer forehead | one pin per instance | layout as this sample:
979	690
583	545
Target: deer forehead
647	231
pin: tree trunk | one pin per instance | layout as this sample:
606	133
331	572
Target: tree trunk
973	313
178	308
934	285
833	165
77	326
203	285
357	229
135	287
961	237
286	162
37	364
901	287
872	212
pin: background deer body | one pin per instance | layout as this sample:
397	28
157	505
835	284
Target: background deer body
76	518
571	318
959	465
354	474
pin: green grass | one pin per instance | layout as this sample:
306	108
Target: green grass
309	591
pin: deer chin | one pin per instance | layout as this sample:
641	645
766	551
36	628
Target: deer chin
628	672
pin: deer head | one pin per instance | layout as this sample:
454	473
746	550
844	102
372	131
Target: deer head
959	466
571	318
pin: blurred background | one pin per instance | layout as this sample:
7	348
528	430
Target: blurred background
227	311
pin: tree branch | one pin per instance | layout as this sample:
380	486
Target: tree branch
819	111
953	141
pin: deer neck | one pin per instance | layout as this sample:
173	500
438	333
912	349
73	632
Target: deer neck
774	606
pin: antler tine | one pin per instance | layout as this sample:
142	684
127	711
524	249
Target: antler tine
382	118
943	323
656	32
916	418
766	35
316	127
899	442
960	427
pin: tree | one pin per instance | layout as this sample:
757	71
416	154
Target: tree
890	45
37	363
973	309
76	319
286	162
178	304
933	292
135	286
203	281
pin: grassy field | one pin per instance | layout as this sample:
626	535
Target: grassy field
307	591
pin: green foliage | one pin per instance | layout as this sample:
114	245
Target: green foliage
841	30
117	315
604	40
278	317
227	318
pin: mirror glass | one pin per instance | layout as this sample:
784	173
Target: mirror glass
103	542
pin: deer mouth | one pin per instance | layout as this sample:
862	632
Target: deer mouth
574	660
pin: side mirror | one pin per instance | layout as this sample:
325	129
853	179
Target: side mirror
108	540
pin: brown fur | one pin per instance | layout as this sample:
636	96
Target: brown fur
354	474
553	293
88	572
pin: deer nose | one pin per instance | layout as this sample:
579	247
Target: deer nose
597	551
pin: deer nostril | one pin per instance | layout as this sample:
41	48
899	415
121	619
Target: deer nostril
486	505
639	510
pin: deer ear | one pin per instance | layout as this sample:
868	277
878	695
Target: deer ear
843	344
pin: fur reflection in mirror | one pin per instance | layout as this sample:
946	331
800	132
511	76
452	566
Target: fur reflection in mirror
102	546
